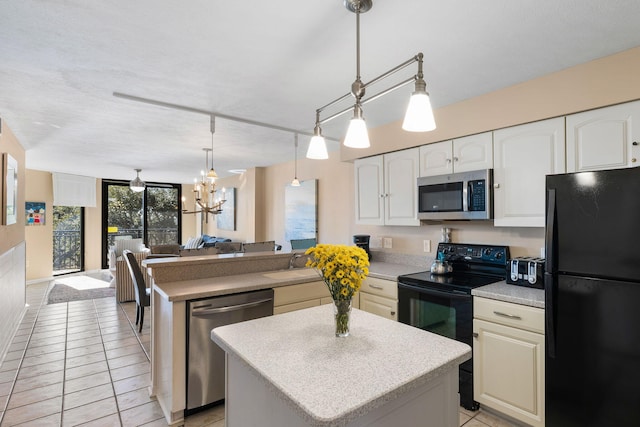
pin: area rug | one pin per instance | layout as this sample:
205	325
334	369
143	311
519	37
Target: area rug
77	288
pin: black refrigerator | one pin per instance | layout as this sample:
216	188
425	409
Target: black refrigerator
592	299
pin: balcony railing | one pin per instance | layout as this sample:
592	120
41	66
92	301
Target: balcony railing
66	250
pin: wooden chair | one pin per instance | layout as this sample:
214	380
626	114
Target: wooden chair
142	293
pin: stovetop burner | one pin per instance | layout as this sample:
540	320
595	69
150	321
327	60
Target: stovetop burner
473	266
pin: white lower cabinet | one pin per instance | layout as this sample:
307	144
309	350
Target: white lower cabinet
379	296
303	295
508	359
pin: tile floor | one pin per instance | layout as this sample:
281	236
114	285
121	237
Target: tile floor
84	363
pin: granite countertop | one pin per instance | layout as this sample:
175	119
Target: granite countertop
184	290
502	291
391	271
329	380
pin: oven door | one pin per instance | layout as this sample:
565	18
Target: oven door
449	314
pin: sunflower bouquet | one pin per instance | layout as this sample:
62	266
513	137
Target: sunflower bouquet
343	268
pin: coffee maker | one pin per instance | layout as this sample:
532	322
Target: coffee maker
362	241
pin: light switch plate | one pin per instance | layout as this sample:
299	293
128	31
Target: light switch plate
376	242
387	242
427	245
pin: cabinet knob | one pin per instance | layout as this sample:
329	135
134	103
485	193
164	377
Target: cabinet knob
633	160
448	160
455	159
496	185
635	143
393	313
475	335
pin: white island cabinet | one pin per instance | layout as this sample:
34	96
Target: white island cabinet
291	370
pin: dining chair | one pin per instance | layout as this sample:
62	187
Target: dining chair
142	293
302	243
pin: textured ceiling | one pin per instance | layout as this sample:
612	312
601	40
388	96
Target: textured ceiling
62	60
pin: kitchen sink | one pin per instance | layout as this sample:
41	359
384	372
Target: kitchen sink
291	274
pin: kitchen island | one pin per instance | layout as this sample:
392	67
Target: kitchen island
179	280
290	369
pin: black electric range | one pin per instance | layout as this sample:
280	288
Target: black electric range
443	304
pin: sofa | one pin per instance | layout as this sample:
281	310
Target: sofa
197	246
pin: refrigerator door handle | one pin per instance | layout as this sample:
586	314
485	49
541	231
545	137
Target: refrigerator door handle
549	282
549	265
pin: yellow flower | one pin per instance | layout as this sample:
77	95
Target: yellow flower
343	268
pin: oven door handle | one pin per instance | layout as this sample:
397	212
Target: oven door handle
453	294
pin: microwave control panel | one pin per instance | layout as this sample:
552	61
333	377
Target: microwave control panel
476	191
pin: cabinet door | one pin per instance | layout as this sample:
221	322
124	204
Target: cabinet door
508	371
604	138
523	155
401	188
381	306
474	152
369	184
436	159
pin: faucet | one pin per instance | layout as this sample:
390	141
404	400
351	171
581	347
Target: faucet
293	259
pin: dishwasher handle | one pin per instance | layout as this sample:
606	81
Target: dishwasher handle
208	312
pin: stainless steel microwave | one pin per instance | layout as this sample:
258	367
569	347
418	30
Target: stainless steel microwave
457	196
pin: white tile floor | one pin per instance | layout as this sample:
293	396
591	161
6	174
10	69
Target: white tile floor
84	363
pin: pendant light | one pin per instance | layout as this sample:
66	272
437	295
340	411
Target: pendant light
317	147
295	182
137	185
419	114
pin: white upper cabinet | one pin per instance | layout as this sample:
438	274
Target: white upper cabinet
604	138
369	183
386	189
469	153
523	156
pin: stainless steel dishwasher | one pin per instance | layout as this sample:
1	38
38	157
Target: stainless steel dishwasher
205	360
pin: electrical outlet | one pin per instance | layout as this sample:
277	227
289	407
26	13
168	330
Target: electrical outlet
387	242
427	245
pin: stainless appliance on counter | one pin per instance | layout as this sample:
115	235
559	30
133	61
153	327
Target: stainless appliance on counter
205	360
526	271
442	303
465	195
592	294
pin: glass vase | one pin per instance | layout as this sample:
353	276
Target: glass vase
342	314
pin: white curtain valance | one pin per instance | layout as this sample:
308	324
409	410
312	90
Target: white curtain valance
74	190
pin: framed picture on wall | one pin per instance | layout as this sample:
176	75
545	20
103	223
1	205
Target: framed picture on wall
9	189
301	210
35	213
226	220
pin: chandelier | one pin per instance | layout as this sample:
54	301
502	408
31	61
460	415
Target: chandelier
419	114
204	190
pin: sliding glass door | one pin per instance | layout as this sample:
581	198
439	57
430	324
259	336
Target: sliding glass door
152	215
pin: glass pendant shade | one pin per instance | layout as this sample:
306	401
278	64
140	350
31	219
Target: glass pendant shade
357	135
419	115
212	175
317	148
137	185
295	182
